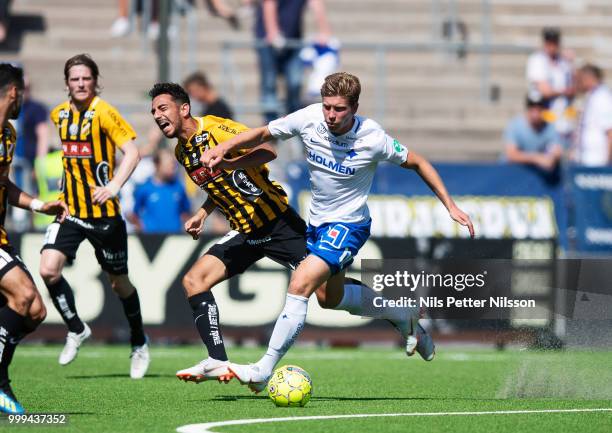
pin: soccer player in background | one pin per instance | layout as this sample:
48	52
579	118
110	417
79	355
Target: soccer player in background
91	130
261	220
343	151
21	306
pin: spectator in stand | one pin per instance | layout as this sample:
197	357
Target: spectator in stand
32	138
278	22
593	139
529	139
550	73
4	19
122	27
161	204
202	92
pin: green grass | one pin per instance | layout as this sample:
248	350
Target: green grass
98	396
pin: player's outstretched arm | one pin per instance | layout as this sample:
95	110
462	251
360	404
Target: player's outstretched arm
195	224
23	200
259	155
431	177
247	139
131	158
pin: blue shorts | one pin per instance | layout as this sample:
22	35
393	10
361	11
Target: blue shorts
337	243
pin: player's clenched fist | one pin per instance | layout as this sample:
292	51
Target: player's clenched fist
212	157
195	224
56	207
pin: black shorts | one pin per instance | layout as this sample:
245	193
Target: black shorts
10	259
108	236
283	240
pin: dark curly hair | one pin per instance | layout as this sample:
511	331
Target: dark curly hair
10	75
175	90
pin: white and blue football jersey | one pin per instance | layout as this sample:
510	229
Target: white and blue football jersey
341	167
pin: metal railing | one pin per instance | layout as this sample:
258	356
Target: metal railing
233	86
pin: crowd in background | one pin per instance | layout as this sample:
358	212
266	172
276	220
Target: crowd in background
552	128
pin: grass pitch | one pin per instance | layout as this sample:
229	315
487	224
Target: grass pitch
97	395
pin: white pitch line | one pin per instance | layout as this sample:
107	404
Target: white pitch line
206	427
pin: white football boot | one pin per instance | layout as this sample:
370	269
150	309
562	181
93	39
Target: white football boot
425	345
207	369
412	330
140	360
73	342
250	375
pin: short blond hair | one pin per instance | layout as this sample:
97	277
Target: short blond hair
342	84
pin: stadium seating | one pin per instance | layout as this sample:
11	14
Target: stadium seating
434	100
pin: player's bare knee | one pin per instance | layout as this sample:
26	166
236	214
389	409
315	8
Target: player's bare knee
38	313
194	283
300	287
23	299
49	274
121	285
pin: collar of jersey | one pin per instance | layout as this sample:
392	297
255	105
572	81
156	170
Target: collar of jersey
353	129
200	129
91	105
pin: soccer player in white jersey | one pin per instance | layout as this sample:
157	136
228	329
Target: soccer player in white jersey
343	151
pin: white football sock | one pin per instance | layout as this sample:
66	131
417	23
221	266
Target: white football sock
356	296
288	326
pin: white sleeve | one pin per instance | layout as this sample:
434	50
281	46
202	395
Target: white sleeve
288	126
392	150
604	112
536	68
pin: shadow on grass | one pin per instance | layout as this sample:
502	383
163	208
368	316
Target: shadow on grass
119	375
330	398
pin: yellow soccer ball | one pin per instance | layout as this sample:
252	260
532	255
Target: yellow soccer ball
290	386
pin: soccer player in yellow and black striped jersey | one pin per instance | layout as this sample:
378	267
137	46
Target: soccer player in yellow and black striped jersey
91	130
21	306
262	222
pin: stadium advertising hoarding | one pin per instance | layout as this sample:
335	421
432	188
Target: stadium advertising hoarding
591	208
504	201
254	299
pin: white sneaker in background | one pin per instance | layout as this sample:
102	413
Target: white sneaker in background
73	342
140	361
120	27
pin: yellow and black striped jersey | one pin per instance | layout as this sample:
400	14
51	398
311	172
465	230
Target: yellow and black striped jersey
89	141
8	138
247	197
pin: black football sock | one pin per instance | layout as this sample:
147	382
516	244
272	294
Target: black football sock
63	300
12	329
131	308
206	319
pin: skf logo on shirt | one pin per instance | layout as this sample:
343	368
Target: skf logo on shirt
76	149
64	114
202	138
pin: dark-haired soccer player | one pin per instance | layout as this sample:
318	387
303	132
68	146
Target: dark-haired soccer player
21	306
262	223
91	131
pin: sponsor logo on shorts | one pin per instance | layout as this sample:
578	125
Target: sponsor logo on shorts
259	241
80	222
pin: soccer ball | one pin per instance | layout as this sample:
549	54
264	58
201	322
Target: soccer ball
290	386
